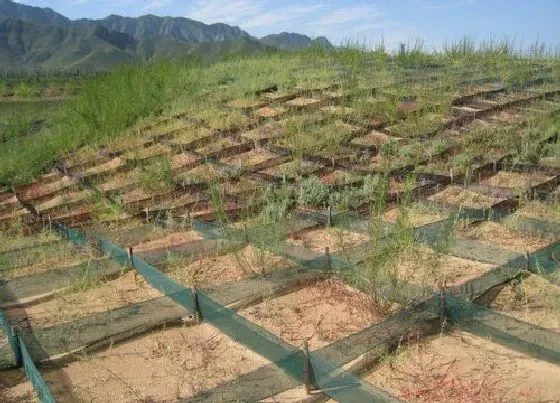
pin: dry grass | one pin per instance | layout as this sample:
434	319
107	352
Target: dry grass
81	302
249	158
464	198
516	179
334	238
174	239
216	270
461	367
423	266
417	217
532	300
540	211
165	365
499	234
321	313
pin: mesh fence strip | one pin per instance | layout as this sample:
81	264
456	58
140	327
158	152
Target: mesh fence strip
341	385
530	339
41	389
259	340
9	356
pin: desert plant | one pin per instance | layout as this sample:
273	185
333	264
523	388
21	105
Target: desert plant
312	192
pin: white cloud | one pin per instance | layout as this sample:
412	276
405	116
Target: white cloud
291	14
226	11
153	5
345	15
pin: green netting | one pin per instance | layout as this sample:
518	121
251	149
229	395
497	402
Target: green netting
18	355
41	389
28	289
8	344
337	383
521	336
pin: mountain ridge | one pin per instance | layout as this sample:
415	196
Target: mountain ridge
40	39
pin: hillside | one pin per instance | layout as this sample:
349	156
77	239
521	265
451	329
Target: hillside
39	39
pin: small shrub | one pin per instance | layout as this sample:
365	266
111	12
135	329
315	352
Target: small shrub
157	176
312	192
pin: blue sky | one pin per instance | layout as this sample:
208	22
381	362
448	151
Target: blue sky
435	21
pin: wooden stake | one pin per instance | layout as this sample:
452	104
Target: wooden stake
329	222
442	305
131	256
307	370
527	261
196	307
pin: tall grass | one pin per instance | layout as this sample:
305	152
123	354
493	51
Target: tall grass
108	105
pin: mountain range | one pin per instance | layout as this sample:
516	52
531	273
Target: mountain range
40	39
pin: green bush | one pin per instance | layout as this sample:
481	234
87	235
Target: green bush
313	193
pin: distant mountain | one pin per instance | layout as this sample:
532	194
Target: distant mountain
178	28
37	15
293	41
33	38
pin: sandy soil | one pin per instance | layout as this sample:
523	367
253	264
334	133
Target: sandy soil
168	241
145	153
62	199
15	388
374	138
68	306
39	189
216	270
516	179
334	238
416	217
540	211
322	312
461	367
217	145
270	112
107	167
162	366
52	258
464	198
249	158
423	266
302	102
498	234
533	300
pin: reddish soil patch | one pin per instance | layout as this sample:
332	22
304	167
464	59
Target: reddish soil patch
461	367
322	313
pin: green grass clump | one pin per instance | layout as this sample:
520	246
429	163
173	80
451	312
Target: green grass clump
312	193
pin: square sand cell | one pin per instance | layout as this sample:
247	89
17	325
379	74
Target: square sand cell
321	313
501	235
166	365
74	304
334	238
215	270
533	300
516	180
424	267
461	367
464	198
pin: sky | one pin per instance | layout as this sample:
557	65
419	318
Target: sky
436	22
